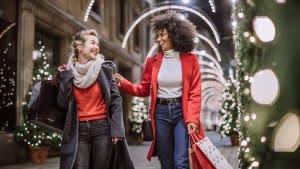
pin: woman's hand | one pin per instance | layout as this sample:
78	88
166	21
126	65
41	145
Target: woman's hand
118	78
192	127
63	67
115	139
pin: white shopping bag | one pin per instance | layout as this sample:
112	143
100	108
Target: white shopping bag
213	154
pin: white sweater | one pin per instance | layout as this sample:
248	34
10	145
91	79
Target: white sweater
170	76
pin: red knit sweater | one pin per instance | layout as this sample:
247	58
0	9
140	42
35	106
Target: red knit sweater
90	102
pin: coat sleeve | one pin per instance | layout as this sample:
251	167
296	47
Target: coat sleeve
65	88
143	88
194	96
116	111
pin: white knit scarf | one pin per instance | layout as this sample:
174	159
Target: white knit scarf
86	74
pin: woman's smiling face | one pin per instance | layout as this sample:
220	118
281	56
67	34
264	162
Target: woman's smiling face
162	38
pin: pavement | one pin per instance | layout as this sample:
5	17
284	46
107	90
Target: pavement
138	154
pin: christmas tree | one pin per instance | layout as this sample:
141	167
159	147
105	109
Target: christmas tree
268	77
7	81
29	133
229	113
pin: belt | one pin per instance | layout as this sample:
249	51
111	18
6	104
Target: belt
94	121
168	100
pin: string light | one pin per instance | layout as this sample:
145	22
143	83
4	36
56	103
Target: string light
88	10
7	82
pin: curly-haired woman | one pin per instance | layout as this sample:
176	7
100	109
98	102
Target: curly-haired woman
172	79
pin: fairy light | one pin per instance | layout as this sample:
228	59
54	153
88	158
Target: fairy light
88	10
252	39
240	15
280	1
7	82
212	5
263	139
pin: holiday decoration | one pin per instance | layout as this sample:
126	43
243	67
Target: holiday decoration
7	80
265	87
284	140
266	39
138	115
29	133
229	112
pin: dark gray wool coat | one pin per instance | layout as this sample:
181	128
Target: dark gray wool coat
66	100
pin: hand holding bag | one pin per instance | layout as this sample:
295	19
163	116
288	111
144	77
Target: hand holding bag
204	149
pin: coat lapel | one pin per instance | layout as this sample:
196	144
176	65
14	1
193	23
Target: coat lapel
155	69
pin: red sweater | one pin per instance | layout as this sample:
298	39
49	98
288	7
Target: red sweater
90	102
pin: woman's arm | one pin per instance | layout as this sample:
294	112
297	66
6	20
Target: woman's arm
64	88
116	111
194	96
142	89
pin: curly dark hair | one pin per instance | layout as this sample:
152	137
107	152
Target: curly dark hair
180	31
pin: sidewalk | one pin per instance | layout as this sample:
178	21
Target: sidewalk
138	153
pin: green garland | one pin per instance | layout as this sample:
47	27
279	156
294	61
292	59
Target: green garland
252	55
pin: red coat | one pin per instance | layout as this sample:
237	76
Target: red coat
191	90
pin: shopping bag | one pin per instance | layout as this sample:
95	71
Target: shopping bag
146	129
47	113
120	157
205	149
194	163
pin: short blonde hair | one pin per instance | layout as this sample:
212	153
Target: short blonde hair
79	39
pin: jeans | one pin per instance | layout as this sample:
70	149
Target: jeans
94	146
172	136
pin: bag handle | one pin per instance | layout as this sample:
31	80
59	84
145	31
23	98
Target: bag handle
194	138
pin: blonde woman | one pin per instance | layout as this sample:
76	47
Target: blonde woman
89	93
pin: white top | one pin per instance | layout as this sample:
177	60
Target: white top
170	76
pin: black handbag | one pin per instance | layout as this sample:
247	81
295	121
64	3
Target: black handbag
46	112
146	128
120	158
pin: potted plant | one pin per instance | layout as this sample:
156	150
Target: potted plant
38	140
137	117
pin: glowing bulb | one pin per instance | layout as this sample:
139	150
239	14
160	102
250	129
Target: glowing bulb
286	137
252	39
234	24
253	116
246	118
246	34
263	139
280	1
265	87
264	28
240	14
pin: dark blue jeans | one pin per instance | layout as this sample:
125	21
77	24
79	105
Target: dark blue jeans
172	136
94	146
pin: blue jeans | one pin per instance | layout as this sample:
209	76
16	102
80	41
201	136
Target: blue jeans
172	136
94	145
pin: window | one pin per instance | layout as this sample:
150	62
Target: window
96	11
46	45
121	15
8	68
136	35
